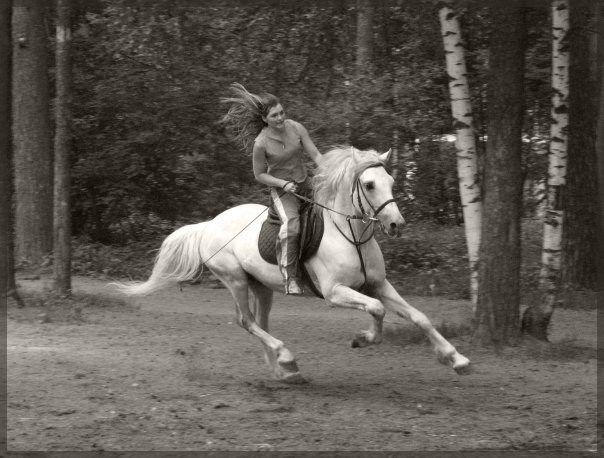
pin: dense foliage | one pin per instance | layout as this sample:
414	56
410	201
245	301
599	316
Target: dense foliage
150	153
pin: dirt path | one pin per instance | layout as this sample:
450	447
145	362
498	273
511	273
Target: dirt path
174	372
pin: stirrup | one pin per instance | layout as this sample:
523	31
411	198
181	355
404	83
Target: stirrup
292	288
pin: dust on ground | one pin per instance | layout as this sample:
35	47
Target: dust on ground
173	371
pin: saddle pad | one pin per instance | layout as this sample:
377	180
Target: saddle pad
311	232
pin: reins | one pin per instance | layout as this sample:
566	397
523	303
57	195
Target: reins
365	216
357	243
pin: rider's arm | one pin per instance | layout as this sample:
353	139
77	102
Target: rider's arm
259	160
308	144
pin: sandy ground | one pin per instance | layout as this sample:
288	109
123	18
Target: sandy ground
173	371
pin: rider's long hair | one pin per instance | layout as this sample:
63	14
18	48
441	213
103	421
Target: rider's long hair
244	117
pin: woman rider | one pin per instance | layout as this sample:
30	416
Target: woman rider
277	152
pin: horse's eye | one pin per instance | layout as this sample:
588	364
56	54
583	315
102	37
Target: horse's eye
369	186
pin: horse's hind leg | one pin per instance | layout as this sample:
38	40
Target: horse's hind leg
284	366
263	304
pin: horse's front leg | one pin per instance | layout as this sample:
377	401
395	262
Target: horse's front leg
446	353
343	296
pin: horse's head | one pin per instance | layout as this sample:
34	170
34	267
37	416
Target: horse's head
346	172
372	196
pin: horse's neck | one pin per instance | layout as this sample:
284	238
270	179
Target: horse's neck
343	206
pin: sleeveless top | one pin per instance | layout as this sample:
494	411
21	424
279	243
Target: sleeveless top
284	160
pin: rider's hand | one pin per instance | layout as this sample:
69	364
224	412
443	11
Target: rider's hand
290	187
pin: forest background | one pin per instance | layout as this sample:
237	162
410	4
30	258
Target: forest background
150	155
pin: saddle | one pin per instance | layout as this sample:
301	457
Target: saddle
311	233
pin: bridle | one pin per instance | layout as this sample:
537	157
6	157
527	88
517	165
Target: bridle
364	216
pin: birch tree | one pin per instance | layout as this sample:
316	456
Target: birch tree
554	215
536	318
465	143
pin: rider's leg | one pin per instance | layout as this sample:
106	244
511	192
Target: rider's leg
288	207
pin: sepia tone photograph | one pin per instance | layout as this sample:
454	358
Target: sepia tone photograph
338	227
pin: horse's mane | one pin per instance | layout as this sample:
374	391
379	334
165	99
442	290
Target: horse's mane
338	168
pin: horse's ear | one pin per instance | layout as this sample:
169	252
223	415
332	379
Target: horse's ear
355	155
386	156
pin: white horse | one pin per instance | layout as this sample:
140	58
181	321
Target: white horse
354	192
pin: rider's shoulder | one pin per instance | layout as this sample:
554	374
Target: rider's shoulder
298	127
260	139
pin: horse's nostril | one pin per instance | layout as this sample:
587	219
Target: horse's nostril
393	226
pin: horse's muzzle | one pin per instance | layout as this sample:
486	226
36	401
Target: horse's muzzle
393	228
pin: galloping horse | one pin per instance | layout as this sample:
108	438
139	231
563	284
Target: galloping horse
354	192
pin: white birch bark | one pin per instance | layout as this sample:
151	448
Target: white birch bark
467	167
552	227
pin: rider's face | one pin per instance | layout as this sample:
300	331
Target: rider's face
275	117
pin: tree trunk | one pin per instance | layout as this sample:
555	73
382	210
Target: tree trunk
394	163
465	143
364	35
7	235
536	318
31	136
62	208
600	147
497	311
5	152
357	90
554	216
396	134
579	237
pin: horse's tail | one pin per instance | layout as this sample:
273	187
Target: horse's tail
179	259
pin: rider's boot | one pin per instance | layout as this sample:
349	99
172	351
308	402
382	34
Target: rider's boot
293	287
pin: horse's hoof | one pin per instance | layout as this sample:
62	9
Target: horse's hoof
463	369
294	379
459	363
289	366
358	343
363	339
